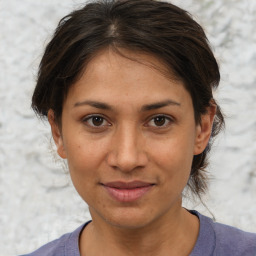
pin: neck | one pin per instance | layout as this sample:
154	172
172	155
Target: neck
173	234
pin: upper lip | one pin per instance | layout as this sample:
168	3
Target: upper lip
127	185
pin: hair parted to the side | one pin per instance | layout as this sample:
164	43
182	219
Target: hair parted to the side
146	26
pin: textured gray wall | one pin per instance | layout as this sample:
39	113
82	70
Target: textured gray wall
37	200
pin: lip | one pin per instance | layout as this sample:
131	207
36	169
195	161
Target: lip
127	191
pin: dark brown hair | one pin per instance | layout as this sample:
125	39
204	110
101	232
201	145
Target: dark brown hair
146	26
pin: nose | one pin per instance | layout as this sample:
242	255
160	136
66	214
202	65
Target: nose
127	150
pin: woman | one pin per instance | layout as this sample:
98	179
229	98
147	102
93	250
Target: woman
127	89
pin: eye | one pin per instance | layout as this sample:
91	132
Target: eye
96	121
160	121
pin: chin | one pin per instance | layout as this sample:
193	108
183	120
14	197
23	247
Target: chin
127	218
128	223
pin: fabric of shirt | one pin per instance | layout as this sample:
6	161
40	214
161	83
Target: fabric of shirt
214	239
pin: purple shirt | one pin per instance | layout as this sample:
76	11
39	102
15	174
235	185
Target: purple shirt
214	239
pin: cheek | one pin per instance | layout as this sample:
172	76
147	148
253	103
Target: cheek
174	150
175	173
84	162
174	157
175	164
84	159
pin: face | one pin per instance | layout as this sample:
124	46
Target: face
129	136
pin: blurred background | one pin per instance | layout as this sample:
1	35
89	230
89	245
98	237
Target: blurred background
37	200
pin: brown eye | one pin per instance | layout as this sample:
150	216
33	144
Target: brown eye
159	120
96	121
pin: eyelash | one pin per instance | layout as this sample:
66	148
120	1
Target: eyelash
89	118
167	121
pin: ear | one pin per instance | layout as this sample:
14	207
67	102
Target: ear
56	134
204	129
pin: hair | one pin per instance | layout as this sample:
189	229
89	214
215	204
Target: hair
157	28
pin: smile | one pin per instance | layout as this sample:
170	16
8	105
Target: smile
127	192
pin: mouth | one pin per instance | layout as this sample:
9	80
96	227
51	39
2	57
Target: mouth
127	191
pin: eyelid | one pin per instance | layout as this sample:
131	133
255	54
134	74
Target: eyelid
167	117
88	117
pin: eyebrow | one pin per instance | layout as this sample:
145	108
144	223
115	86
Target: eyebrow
148	107
95	104
160	104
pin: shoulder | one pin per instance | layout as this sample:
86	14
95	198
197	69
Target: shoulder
224	239
234	241
53	248
67	244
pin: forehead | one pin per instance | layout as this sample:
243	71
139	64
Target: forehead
129	77
110	58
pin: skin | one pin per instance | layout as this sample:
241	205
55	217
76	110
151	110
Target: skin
110	133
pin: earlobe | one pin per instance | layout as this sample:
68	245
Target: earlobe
204	130
56	134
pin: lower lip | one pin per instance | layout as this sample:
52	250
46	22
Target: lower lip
127	195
